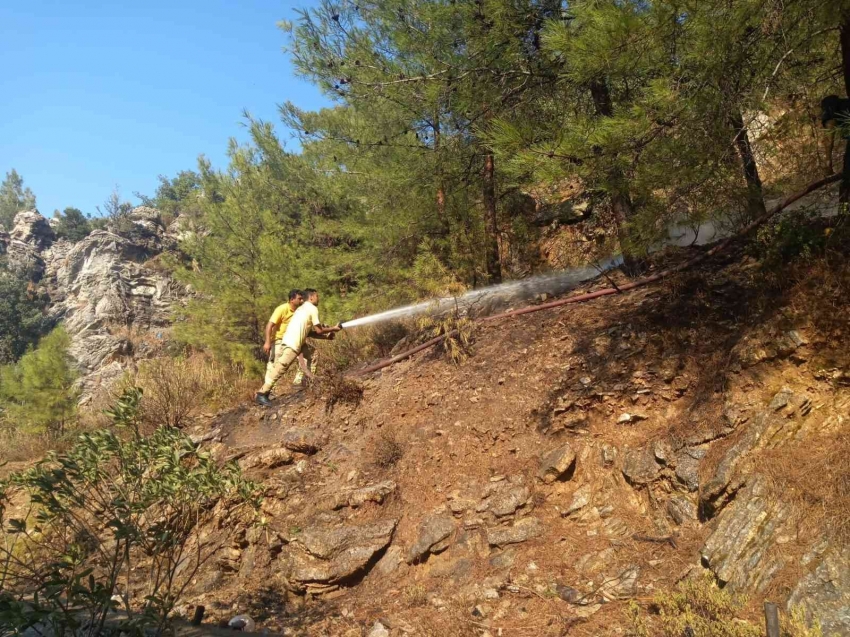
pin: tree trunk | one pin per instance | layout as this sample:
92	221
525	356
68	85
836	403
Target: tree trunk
494	265
621	202
844	188
441	190
755	193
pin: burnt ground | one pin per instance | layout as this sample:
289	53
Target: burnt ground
662	365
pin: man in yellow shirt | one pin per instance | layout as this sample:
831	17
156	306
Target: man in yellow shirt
303	324
276	328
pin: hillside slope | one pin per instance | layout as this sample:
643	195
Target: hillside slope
583	457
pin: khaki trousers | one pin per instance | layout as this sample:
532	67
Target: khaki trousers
280	358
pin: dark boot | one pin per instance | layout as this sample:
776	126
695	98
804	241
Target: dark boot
262	399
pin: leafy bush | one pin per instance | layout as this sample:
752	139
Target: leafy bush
22	316
72	224
114	515
699	608
459	332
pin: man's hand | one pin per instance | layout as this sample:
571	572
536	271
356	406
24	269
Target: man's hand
267	347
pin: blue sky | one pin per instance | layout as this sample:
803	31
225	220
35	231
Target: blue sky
95	95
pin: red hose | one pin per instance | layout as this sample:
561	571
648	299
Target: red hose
623	288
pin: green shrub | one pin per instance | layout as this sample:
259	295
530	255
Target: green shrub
116	514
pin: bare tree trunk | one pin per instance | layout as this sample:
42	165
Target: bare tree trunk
441	190
755	193
494	265
621	202
844	188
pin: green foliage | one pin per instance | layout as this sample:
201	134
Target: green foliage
175	196
22	316
117	514
696	604
13	199
72	224
37	393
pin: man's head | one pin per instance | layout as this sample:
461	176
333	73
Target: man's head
311	295
296	298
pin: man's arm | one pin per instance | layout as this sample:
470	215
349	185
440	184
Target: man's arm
320	331
267	346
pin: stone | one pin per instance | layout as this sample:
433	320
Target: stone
716	492
434	533
737	549
781	399
568	593
303	440
267	459
378	630
319	559
390	561
521	531
608	454
681	509
687	471
503	559
355	498
626	418
581	498
621	586
557	464
640	467
824	592
507	502
33	229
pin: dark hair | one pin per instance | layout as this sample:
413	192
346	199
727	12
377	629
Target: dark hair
308	292
294	293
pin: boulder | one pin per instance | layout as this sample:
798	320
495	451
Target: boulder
33	229
581	498
824	592
303	440
434	535
640	466
557	464
520	531
736	551
507	502
320	559
357	497
681	509
267	458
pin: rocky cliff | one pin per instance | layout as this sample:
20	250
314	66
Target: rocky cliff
106	289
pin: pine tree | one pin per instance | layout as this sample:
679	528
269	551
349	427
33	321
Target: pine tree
14	198
72	224
37	393
22	316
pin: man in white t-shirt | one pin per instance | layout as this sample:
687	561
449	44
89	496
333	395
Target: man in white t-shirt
303	324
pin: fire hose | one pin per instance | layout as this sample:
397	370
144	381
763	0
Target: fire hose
580	298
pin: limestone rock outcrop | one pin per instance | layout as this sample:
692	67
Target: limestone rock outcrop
115	305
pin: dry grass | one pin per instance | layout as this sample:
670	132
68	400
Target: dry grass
388	450
814	477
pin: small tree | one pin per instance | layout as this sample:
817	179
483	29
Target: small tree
14	198
37	393
22	316
72	224
116	514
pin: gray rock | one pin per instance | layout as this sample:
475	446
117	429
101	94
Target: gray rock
267	459
507	502
33	229
354	498
521	531
556	464
737	547
568	593
390	561
434	535
320	558
640	466
716	491
378	630
824	592
681	509
303	440
687	471
581	498
781	399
